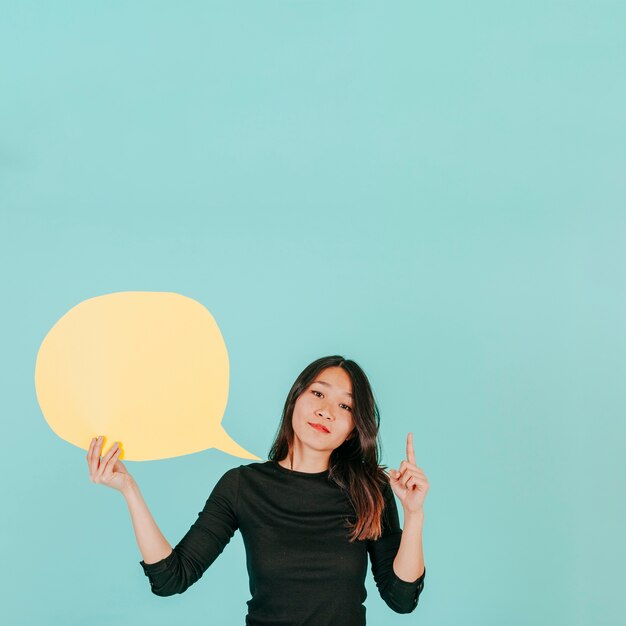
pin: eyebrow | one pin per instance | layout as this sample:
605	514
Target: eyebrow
322	382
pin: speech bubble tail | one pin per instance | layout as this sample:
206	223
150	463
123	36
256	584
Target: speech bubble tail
224	442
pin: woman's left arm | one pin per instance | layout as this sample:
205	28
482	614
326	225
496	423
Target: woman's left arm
409	562
410	486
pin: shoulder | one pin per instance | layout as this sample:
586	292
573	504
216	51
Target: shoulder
242	477
390	498
256	466
247	470
229	485
390	520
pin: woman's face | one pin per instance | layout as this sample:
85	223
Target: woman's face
327	401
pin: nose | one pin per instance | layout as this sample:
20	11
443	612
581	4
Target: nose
324	413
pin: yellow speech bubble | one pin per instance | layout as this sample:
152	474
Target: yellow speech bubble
148	369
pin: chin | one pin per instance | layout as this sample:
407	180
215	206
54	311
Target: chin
315	446
310	442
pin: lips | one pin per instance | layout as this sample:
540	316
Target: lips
319	427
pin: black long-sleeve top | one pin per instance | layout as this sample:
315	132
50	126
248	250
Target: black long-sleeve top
303	570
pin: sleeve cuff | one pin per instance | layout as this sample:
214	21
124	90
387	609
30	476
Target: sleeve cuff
159	566
404	584
404	595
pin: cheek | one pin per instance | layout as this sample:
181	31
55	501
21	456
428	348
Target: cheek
349	425
302	406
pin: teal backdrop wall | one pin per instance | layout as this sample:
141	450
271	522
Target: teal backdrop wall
435	190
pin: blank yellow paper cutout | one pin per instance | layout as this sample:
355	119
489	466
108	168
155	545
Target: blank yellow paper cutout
148	369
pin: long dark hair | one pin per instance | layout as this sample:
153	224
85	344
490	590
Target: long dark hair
354	465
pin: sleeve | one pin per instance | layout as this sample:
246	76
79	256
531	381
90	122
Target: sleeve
203	542
400	595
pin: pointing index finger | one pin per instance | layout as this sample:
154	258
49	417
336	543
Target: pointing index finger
410	452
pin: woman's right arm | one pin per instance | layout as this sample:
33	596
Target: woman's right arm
152	544
111	472
172	570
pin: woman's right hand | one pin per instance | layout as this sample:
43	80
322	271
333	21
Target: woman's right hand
108	470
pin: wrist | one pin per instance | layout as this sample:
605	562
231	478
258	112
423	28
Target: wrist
414	516
131	489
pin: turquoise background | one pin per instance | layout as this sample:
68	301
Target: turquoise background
435	190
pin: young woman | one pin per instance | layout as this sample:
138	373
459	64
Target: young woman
309	516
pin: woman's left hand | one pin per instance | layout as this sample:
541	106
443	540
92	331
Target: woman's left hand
409	483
